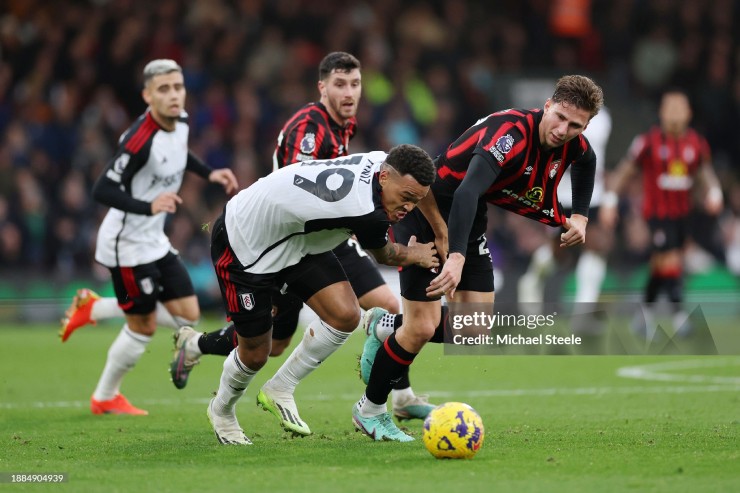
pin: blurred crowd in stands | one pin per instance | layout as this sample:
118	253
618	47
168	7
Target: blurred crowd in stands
70	83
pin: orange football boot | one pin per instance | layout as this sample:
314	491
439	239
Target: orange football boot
78	313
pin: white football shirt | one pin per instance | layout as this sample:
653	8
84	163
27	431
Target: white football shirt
149	161
307	208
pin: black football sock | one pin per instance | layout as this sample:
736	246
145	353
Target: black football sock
391	362
220	341
439	332
654	285
404	382
674	287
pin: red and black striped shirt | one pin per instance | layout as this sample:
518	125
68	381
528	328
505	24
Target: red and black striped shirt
529	174
312	134
668	165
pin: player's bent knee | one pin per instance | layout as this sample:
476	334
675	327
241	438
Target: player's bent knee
425	331
344	318
254	358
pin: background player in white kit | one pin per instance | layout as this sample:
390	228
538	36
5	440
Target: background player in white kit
140	186
279	233
591	267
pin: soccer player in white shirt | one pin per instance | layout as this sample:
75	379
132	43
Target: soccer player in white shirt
278	234
140	186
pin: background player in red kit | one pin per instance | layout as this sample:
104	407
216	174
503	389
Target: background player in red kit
669	156
513	159
319	130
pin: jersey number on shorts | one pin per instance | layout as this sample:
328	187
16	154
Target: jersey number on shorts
331	185
483	245
356	245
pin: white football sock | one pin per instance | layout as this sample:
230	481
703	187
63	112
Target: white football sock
543	262
385	326
122	356
106	308
369	409
192	347
590	273
319	342
234	382
402	395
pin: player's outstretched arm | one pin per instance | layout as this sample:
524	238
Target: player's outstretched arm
421	254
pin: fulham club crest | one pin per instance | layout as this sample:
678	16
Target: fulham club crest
247	301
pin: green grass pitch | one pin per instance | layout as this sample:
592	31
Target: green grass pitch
553	423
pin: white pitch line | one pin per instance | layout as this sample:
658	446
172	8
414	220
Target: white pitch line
661	372
544	392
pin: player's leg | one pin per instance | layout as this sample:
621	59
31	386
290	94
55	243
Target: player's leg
136	289
389	357
666	273
177	297
377	297
531	286
320	280
392	358
591	266
286	312
248	302
190	345
87	308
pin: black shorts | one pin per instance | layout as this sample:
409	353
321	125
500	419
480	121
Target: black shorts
139	288
363	275
477	273
667	234
361	269
248	298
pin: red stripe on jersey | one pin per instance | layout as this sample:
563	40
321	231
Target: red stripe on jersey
289	154
294	148
142	134
445	171
129	282
321	134
466	144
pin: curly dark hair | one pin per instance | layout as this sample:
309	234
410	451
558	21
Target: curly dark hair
580	91
412	160
337	60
